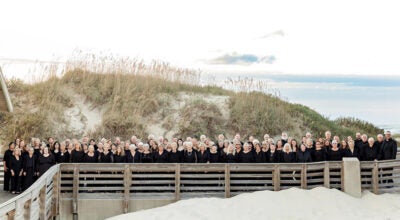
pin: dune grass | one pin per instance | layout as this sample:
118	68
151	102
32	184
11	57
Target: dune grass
131	92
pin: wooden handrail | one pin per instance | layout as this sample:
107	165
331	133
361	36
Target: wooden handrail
39	192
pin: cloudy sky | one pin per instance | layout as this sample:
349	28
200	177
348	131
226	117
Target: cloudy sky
308	37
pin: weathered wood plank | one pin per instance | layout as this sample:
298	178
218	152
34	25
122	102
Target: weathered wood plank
177	182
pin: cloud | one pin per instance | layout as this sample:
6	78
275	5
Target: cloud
278	33
242	59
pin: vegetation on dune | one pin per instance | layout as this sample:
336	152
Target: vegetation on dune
131	92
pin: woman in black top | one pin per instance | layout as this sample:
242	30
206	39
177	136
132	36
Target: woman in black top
246	156
106	156
28	166
174	156
45	161
351	151
229	156
16	171
259	156
77	154
202	154
287	154
119	156
189	156
335	154
370	153
146	156
132	156
319	154
303	155
63	155
6	162
90	156
273	156
214	154
160	155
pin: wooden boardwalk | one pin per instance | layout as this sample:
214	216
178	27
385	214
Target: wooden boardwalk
5	196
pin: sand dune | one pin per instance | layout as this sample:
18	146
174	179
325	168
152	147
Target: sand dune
318	203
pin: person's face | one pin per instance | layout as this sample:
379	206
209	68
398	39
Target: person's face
334	145
62	147
364	138
358	135
46	150
388	136
273	147
303	147
318	145
31	151
180	142
12	146
238	146
380	138
91	149
160	147
371	142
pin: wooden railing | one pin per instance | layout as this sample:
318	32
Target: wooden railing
381	176
40	201
176	181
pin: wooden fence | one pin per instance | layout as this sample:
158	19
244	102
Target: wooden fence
381	176
176	181
40	201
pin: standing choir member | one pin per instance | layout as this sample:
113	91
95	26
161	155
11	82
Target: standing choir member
273	156
146	156
303	155
287	155
63	155
16	171
246	156
29	168
77	154
6	163
90	156
351	151
214	154
132	156
335	153
119	156
202	154
160	155
45	161
189	156
371	152
319	153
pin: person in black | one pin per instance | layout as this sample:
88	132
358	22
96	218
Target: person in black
77	154
106	156
63	155
202	155
388	151
259	155
303	155
273	156
16	171
132	156
246	155
319	154
229	156
45	161
214	154
6	163
189	155
161	155
287	155
352	151
335	154
146	156
90	156
174	156
29	169
371	152
119	156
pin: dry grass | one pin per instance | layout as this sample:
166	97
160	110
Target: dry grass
131	91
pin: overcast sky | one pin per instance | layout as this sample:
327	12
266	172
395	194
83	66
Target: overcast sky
311	37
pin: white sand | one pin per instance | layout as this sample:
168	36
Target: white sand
318	203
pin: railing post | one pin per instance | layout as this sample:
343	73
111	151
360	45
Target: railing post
327	182
75	189
42	202
227	181
178	182
127	186
375	178
277	178
19	210
304	176
27	208
56	193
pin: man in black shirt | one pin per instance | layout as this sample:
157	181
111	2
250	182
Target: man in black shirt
388	151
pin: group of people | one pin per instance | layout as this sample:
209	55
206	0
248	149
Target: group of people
24	163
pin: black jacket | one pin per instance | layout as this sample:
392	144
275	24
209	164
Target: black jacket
203	157
335	155
160	158
259	157
132	159
319	155
246	157
303	157
288	157
388	150
370	153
